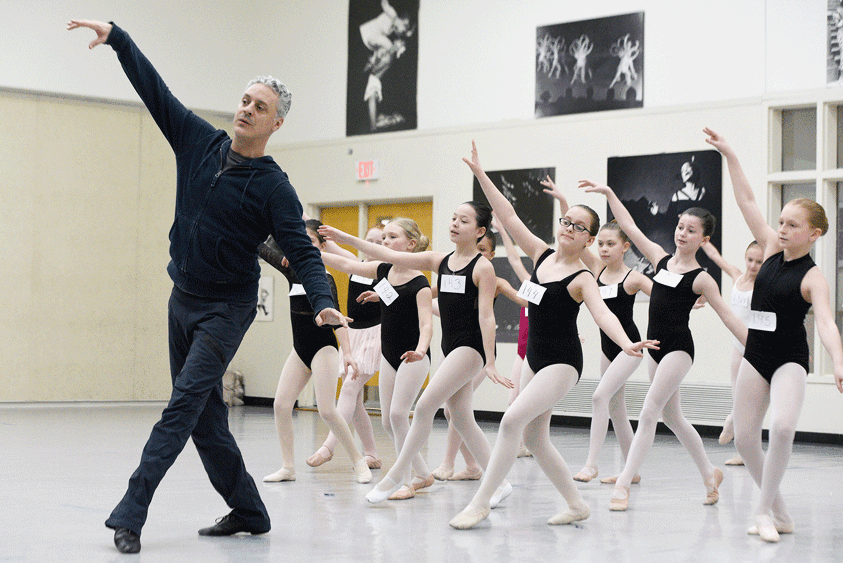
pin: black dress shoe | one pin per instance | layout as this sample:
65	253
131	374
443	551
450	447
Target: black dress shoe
126	540
229	525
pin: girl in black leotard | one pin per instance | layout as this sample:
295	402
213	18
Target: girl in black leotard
618	287
775	363
553	364
452	381
405	305
364	340
679	281
314	354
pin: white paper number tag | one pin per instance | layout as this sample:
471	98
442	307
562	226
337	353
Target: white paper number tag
452	284
297	289
761	320
668	278
360	279
740	299
532	292
386	292
609	291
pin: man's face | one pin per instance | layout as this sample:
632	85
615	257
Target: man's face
256	116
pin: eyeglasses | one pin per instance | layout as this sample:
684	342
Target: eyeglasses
565	222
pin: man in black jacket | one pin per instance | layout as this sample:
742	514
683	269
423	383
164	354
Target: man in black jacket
230	197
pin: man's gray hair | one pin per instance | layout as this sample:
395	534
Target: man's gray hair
284	96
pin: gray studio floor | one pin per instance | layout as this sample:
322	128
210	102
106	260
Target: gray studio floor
65	466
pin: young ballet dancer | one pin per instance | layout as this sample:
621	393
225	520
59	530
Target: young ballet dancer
405	311
741	298
678	282
314	354
454	444
775	363
558	286
364	339
618	286
466	285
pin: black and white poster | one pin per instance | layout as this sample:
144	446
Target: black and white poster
383	39
507	313
524	192
657	188
834	58
590	65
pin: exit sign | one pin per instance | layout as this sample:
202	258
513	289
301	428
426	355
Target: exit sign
368	170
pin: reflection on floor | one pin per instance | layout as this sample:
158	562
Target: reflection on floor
65	466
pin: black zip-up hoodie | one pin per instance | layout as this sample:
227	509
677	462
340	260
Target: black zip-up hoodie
221	217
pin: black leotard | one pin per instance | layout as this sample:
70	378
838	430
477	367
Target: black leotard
778	290
553	337
670	310
308	337
364	315
621	306
459	314
400	319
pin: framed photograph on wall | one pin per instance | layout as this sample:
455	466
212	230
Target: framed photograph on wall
383	50
524	192
590	65
657	188
266	298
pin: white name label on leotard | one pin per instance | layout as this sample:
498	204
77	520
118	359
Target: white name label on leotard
361	279
669	279
386	292
297	289
532	292
740	299
609	291
761	320
452	284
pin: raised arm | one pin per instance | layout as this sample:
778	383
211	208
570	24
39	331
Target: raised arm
349	266
818	295
505	288
533	246
425	261
511	252
745	198
652	251
552	189
179	125
732	270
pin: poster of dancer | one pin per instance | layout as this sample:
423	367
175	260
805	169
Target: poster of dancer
657	188
382	66
524	192
834	58
590	65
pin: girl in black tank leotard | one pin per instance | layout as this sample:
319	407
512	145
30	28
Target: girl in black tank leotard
314	355
560	282
775	362
678	282
618	287
405	312
452	381
364	340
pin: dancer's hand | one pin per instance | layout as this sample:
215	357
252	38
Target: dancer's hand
635	349
349	365
594	187
552	189
411	356
332	317
368	297
284	262
102	29
474	163
336	235
717	141
699	303
492	373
